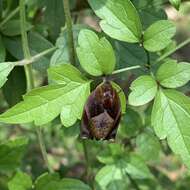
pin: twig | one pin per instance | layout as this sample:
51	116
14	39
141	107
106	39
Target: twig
12	14
126	69
182	44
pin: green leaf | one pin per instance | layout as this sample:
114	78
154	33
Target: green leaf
143	90
173	75
132	164
52	181
20	181
54	17
111	154
137	168
122	97
16	83
11	153
171	119
48	102
158	35
107	174
65	73
96	55
120	19
72	90
5	69
129	54
2	51
61	55
176	3
131	123
12	28
148	146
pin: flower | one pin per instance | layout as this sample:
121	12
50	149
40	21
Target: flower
102	113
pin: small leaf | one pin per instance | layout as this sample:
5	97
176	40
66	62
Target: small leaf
2	51
148	146
143	90
96	55
11	153
173	75
5	69
52	181
176	3
12	28
158	35
20	181
171	119
120	19
137	168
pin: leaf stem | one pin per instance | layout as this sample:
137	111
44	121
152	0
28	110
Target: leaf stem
43	148
12	14
126	69
29	74
69	31
35	57
182	44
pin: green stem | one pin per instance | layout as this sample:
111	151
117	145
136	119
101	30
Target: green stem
126	69
29	75
69	31
184	43
12	14
35	57
87	159
43	148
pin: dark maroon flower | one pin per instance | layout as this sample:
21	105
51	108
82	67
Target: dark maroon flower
102	113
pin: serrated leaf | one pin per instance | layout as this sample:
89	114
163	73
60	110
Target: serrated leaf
175	3
12	28
171	119
65	73
96	55
132	164
11	153
143	90
47	102
5	69
173	75
158	35
2	50
52	181
20	181
148	146
120	19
